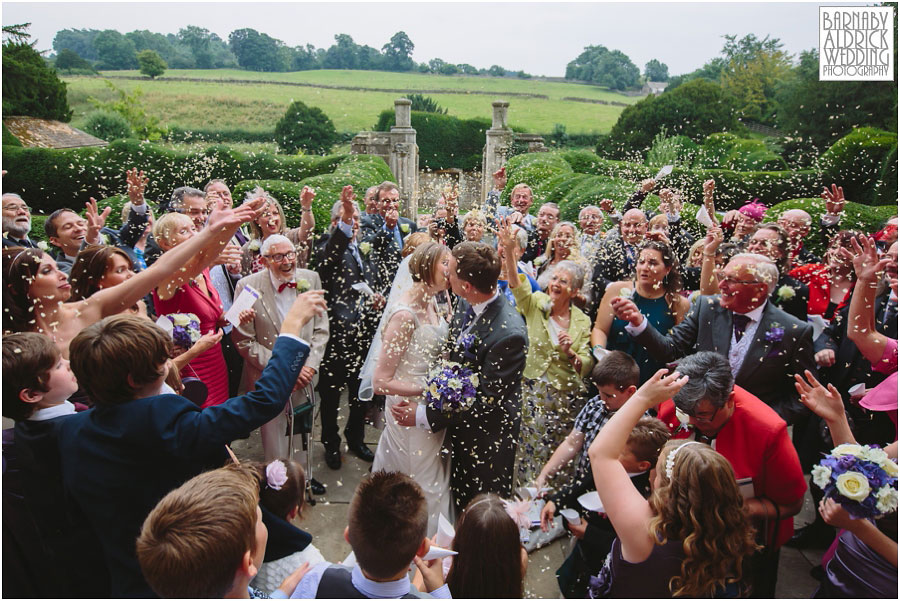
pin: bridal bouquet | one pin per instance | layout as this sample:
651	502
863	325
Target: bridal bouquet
451	388
863	479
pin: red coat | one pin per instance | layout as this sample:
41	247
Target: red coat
756	444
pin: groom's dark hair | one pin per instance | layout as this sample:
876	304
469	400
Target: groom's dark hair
478	264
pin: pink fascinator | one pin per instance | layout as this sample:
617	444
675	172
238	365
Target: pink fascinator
276	474
754	209
518	511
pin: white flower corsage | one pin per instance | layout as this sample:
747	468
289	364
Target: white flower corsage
104	239
684	419
254	245
786	293
303	285
365	248
538	261
43	246
404	227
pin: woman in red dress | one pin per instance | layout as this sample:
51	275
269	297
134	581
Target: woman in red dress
830	282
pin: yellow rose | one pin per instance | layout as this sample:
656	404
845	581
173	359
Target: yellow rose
889	467
848	449
853	485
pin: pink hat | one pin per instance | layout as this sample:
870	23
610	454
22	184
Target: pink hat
883	397
754	209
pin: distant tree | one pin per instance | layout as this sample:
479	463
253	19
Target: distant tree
68	59
30	87
711	71
610	68
398	53
523	75
497	71
754	69
437	65
198	40
305	128
115	51
152	64
80	41
695	109
369	59
343	54
425	104
656	71
148	40
256	51
305	58
467	69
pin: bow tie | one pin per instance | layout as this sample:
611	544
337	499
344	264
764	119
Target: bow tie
281	287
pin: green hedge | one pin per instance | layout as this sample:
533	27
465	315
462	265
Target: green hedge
50	179
444	141
856	163
856	216
886	192
715	150
359	174
536	169
180	134
9	139
733	188
752	155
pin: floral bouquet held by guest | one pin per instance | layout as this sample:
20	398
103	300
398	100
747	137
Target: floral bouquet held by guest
185	330
451	388
862	479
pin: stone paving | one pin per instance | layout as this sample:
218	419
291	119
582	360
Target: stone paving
327	519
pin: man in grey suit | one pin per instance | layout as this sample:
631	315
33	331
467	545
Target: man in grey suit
278	285
764	345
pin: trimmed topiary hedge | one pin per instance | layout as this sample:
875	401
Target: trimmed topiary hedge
886	192
856	162
535	169
180	134
856	216
9	139
752	155
50	179
444	141
359	174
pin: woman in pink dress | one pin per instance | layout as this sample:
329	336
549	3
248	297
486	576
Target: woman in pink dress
197	296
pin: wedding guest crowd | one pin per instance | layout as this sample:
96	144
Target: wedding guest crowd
656	391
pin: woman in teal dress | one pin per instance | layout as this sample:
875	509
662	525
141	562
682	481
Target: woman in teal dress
656	292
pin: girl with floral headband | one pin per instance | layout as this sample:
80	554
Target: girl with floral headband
282	484
690	538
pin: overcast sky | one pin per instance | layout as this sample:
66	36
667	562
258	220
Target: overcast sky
539	38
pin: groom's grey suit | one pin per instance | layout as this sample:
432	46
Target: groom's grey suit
484	438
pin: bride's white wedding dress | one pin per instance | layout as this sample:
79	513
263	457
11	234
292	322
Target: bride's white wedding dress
412	450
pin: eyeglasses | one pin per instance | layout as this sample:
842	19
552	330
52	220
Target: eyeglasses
194	212
17	208
704	417
720	275
279	257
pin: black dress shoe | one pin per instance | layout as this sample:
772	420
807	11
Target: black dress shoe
814	536
361	451
333	459
316	487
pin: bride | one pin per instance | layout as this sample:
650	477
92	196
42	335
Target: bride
412	335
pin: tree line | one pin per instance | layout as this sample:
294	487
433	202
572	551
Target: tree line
197	48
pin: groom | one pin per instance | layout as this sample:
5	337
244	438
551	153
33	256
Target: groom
488	336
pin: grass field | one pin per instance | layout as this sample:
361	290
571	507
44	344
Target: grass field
257	107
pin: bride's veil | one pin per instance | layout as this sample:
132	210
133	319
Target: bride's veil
402	282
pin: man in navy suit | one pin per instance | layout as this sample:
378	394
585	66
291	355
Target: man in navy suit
121	457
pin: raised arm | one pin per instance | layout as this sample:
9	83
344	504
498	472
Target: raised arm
172	267
307	225
861	322
709	285
626	508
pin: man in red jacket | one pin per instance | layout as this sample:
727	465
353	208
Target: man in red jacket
754	439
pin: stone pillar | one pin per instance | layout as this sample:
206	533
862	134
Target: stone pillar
498	139
404	159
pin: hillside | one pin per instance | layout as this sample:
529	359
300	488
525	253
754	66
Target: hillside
352	99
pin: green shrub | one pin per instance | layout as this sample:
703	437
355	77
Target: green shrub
715	150
9	139
855	162
50	179
671	150
856	216
444	141
107	126
752	155
590	191
30	87
305	128
887	184
584	161
37	228
179	134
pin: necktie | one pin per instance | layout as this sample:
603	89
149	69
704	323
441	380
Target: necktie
354	250
398	237
284	285
467	318
629	257
740	324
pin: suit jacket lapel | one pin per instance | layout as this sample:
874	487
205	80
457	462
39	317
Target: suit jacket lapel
267	296
721	331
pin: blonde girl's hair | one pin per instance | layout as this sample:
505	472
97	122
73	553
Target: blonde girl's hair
702	507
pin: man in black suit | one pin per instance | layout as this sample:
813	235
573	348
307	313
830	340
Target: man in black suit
372	213
352	317
488	336
16	222
387	198
765	346
546	220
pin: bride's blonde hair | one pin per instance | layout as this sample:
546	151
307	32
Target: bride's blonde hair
424	260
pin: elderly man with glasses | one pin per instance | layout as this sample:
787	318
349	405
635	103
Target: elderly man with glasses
764	345
16	222
712	410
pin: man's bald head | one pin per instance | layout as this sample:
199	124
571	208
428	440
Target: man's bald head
633	226
796	223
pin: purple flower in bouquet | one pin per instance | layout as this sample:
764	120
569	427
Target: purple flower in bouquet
185	329
467	341
451	388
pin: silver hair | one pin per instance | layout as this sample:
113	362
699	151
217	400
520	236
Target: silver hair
766	269
336	210
258	192
271	241
13	195
583	209
574	269
709	377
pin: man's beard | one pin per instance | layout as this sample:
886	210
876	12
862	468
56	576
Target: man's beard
14	229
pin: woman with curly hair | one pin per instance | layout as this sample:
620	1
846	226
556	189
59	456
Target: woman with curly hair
656	290
691	537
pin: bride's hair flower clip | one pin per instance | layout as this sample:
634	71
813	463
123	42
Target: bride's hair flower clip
276	475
